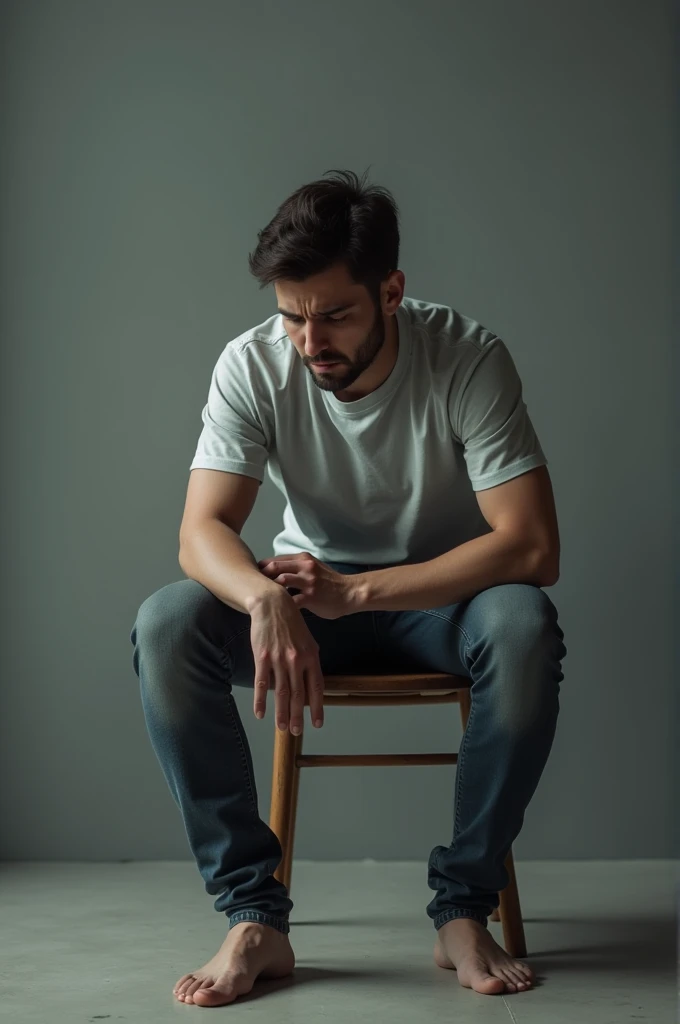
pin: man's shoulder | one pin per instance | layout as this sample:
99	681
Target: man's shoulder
263	340
447	338
263	353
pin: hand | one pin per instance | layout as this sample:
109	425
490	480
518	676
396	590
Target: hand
323	591
285	650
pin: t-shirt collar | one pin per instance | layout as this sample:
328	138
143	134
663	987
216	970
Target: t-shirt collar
388	386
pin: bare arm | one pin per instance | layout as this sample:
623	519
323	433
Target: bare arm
523	547
210	547
212	552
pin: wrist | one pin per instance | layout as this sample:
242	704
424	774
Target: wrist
268	594
358	594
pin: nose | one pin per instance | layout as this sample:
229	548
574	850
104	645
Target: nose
315	341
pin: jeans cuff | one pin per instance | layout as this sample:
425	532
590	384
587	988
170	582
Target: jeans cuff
280	923
451	915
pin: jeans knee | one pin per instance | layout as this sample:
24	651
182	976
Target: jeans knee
169	636
521	648
167	614
521	620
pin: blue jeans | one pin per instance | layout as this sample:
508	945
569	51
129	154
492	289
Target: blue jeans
190	649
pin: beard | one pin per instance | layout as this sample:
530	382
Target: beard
347	371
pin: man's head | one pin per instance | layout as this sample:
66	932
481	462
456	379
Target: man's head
332	252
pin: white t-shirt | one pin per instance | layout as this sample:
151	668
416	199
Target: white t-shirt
386	479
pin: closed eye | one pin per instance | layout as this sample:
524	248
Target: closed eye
329	319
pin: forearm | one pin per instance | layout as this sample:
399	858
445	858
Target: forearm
214	555
457	575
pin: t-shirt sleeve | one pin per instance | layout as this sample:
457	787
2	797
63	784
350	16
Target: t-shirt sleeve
490	419
232	438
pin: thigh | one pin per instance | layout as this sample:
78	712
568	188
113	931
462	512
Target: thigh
422	641
185	619
447	639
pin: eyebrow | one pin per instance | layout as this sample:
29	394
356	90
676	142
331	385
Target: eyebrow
325	312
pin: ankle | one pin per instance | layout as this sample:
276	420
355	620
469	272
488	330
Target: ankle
255	928
462	924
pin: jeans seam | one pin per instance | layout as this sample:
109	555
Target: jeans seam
234	637
244	758
459	772
438	615
234	720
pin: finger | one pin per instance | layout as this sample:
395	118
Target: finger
297	692
261	685
290	579
282	694
314	683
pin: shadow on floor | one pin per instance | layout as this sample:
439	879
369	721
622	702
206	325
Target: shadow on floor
633	945
303	975
618	944
392	977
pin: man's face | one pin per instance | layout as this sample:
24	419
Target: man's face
334	324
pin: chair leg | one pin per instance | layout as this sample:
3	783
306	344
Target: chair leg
464	703
290	845
285	782
509	912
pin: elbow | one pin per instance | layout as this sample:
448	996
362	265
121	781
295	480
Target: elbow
543	567
549	579
546	568
182	555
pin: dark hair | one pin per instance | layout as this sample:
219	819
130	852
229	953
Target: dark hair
328	221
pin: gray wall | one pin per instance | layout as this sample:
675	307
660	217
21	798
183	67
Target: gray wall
143	146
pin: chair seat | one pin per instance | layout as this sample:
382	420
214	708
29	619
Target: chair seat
389	684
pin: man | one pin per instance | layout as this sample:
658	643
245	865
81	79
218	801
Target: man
419	532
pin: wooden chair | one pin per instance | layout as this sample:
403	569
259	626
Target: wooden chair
372	691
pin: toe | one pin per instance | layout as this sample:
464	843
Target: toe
488	984
475	974
183	984
216	995
191	988
524	978
518	975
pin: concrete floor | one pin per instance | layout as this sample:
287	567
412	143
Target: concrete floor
89	942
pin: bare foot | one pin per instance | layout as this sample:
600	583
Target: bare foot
249	951
470	949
